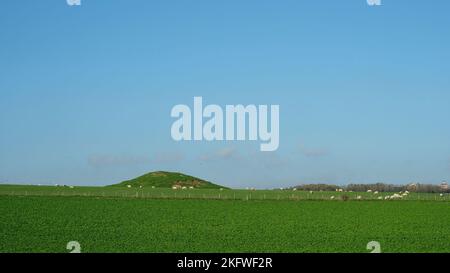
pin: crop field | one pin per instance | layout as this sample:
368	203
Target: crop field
45	219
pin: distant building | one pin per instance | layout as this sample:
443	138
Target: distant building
444	186
412	187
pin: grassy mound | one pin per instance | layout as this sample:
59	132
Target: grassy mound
168	180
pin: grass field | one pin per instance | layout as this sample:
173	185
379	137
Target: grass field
165	193
45	219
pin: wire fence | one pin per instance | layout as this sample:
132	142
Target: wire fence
228	195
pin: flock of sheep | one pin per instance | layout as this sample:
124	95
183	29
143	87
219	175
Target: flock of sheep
182	188
141	187
174	187
395	196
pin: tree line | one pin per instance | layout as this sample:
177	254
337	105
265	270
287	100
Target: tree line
380	187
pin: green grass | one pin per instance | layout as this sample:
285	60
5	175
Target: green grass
226	194
168	180
115	224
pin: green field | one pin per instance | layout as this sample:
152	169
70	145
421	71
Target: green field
226	194
101	219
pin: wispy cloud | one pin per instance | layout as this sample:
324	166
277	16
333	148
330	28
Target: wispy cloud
168	157
111	160
313	152
102	161
223	153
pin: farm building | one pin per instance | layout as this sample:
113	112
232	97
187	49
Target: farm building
411	187
444	186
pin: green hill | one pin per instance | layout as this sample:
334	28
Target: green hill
168	180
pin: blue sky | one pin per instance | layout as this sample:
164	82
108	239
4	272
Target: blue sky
86	92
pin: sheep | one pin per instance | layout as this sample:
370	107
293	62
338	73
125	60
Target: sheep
441	195
396	196
359	197
332	197
380	198
221	189
387	197
153	187
376	192
341	190
128	186
183	188
174	188
140	187
310	192
71	187
191	187
295	189
369	191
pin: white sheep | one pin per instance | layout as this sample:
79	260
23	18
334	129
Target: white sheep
369	191
359	197
183	188
174	188
396	196
380	198
332	197
191	187
441	195
128	186
310	192
376	192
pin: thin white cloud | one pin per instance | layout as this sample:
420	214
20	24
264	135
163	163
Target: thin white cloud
102	161
111	160
313	152
224	153
167	157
